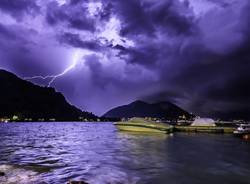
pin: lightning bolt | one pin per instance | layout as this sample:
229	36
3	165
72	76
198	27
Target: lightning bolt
54	77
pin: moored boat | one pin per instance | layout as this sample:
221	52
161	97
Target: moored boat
143	125
243	129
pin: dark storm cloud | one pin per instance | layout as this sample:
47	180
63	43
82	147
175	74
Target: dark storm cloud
134	18
6	33
169	95
14	38
146	17
210	84
106	12
74	40
14	51
17	8
202	79
193	53
20	53
147	55
16	34
154	26
73	15
98	76
169	18
75	2
222	3
236	87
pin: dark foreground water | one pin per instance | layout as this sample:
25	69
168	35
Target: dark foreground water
97	153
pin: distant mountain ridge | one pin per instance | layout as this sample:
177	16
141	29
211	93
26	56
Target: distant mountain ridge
139	108
26	100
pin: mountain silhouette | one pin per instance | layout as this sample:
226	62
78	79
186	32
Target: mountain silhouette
26	100
139	108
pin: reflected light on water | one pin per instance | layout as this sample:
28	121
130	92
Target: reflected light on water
98	153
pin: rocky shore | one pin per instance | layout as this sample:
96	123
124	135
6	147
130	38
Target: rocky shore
11	174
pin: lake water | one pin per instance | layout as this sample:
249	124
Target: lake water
99	154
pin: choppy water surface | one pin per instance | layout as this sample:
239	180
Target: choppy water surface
97	153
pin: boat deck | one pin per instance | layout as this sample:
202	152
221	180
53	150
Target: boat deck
146	127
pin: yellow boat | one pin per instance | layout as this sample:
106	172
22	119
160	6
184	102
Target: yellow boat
143	125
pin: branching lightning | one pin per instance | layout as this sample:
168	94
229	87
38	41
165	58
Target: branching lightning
52	78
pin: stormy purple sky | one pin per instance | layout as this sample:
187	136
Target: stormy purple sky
104	53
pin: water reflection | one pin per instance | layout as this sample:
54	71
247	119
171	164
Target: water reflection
99	154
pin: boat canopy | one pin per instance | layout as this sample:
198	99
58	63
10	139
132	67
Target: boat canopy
203	122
